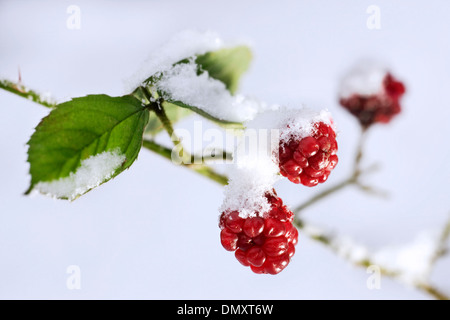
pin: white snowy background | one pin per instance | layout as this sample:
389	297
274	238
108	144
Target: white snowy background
152	232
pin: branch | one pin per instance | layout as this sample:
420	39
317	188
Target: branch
205	171
22	91
324	194
441	248
361	259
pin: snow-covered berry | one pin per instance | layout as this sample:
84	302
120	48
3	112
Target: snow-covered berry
264	243
309	160
373	96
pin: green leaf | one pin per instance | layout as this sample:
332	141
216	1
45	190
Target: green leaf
85	142
226	65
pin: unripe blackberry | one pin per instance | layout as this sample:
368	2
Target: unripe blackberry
264	243
376	108
310	159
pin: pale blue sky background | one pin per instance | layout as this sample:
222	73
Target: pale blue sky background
152	232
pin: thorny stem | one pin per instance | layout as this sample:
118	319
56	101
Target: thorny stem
332	243
22	91
199	168
187	160
158	109
432	291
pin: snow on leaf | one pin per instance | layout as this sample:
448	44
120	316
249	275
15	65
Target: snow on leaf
92	172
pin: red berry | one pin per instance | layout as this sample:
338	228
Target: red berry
376	108
393	88
259	240
307	180
292	235
274	265
244	242
300	159
274	227
291	250
258	270
228	239
265	243
323	177
310	159
241	256
308	146
233	222
253	226
292	168
275	246
256	256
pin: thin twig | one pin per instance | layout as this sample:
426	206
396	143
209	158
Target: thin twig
432	291
201	169
360	148
442	247
324	194
22	91
332	242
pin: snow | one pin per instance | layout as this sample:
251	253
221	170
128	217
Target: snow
256	170
294	123
364	78
181	46
350	250
413	261
181	82
92	172
246	191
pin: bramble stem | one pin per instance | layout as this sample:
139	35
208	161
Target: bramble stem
442	248
432	291
324	194
199	168
332	242
22	91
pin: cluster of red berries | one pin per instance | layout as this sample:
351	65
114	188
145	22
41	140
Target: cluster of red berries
377	108
309	160
264	243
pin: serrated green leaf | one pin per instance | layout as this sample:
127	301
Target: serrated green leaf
226	65
80	131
